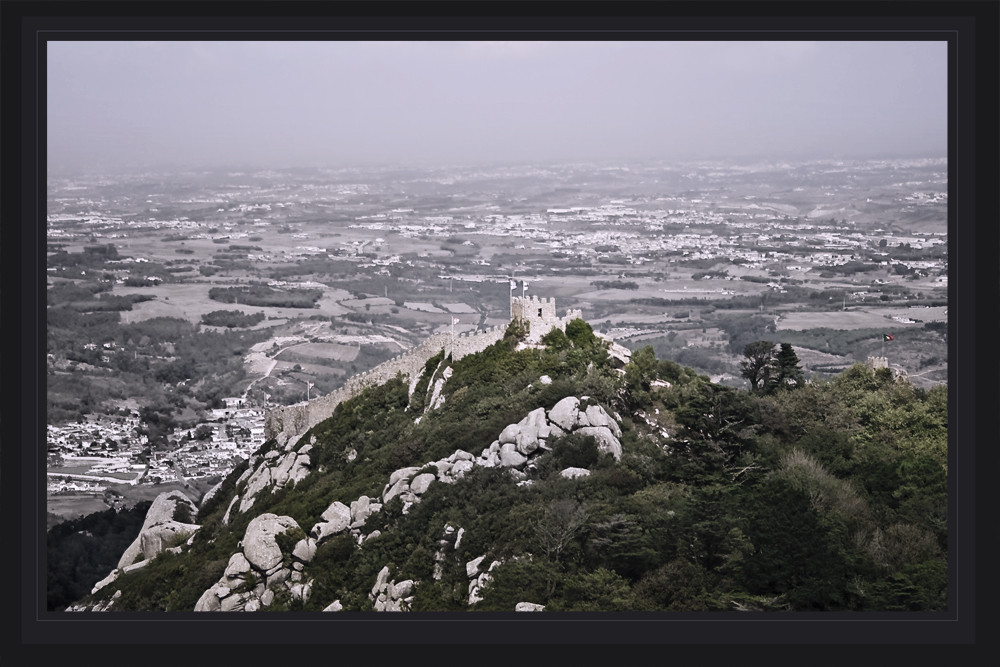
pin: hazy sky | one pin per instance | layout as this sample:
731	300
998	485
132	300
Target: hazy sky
281	104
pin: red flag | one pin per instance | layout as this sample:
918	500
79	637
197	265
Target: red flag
886	337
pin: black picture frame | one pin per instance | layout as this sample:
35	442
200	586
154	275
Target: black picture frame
955	637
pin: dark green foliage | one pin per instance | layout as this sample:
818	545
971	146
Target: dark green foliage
170	582
149	359
745	330
136	281
515	332
575	451
768	370
787	371
287	540
581	333
795	554
676	586
674	373
556	339
756	367
530	579
310	267
83	551
216	505
182	513
615	284
640	372
263	296
618	542
597	590
231	318
829	497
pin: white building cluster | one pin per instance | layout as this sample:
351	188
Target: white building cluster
106	450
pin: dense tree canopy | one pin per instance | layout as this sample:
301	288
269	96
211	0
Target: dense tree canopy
757	365
826	496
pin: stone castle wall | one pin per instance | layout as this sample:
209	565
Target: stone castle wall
540	314
289	421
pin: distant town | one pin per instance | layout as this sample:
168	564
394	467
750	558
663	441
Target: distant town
182	306
111	451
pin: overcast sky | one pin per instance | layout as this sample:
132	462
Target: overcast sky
283	104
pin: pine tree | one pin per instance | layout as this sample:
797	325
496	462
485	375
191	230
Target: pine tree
787	371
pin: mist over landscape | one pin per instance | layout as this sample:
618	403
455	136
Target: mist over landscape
134	105
567	326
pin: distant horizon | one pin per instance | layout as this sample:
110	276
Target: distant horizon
746	160
130	105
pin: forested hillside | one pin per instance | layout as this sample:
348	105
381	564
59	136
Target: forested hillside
796	496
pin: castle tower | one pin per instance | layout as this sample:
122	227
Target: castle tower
875	363
538	313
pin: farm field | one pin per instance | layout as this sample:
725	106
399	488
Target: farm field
331	351
854	319
697	262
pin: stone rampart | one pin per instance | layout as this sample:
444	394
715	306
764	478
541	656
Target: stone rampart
289	421
540	314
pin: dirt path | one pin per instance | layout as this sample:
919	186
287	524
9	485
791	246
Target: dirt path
258	361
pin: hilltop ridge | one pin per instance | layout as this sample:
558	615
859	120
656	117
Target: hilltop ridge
537	315
540	473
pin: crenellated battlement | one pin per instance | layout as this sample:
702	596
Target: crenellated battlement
875	363
540	315
289	421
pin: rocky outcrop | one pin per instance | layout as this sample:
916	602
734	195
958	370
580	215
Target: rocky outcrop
211	493
514	448
99	606
259	546
478	577
159	529
261	570
338	518
389	595
449	541
409	483
254	573
529	606
518	443
159	533
274	470
437	399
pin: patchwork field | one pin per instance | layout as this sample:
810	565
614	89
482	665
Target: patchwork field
331	351
190	301
850	319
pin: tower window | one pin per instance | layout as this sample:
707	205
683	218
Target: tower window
539	312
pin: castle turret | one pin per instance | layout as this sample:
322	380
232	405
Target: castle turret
540	315
875	363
